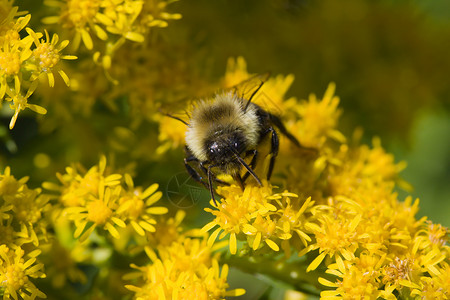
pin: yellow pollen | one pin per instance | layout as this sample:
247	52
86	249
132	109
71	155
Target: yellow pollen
46	55
98	212
15	277
8	36
9	63
27	213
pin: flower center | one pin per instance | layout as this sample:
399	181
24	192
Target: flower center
46	55
98	212
15	277
9	63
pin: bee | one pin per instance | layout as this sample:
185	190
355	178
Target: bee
226	130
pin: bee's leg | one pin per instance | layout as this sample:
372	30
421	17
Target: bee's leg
213	175
275	143
252	162
192	172
239	180
279	124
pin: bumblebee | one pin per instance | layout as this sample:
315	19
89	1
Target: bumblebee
225	131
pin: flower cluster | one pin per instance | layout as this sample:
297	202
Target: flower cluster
330	222
261	217
23	230
95	199
104	26
351	224
185	268
21	64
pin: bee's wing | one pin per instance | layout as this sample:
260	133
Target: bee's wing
252	90
178	110
249	87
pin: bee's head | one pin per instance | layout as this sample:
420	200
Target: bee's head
223	147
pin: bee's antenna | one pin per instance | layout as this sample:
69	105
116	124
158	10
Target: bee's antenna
253	94
173	117
244	164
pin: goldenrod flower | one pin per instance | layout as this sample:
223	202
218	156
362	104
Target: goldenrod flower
23	208
335	237
98	212
78	16
317	119
171	134
236	72
47	55
108	24
272	92
12	57
10	27
20	102
15	274
435	287
180	271
167	230
259	216
135	206
93	199
9	185
357	280
78	183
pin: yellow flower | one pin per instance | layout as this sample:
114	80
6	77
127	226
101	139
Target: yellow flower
78	16
47	55
357	280
109	23
336	237
135	206
435	287
12	57
10	27
236	72
94	199
79	184
180	271
15	274
10	186
171	134
98	212
317	120
167	230
402	272
270	96
433	236
24	210
20	102
259	216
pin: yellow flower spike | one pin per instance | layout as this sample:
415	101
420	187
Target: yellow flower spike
233	243
183	269
47	56
15	273
212	238
272	244
20	103
256	241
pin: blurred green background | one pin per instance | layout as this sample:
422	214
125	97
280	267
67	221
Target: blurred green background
390	61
